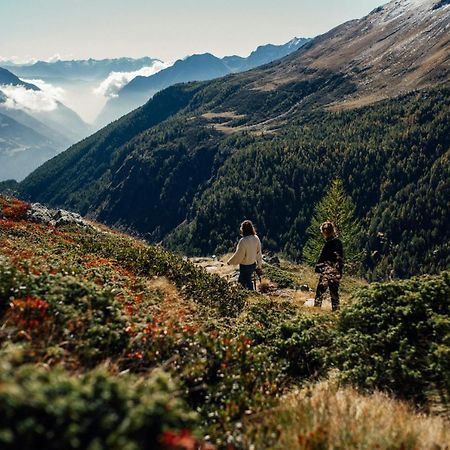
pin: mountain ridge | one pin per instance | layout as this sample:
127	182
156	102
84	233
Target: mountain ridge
198	67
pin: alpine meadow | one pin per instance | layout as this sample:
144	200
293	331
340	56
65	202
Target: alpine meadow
124	321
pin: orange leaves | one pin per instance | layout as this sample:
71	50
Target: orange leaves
29	314
13	210
182	440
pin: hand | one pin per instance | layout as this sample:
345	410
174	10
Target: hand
259	271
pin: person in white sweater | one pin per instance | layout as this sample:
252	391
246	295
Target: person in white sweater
248	254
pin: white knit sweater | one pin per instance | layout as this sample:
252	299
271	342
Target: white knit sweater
248	251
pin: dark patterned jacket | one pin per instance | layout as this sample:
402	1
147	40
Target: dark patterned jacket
331	257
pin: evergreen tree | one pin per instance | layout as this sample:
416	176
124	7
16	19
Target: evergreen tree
337	207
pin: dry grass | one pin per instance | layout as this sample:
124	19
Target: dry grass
325	416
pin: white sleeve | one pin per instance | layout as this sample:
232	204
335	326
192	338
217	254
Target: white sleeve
258	253
239	254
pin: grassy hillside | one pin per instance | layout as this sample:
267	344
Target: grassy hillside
107	342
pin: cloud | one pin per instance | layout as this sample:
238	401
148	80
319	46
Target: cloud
55	92
19	97
117	80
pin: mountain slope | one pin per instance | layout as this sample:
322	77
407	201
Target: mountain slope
33	109
22	149
8	78
264	54
76	297
138	90
265	143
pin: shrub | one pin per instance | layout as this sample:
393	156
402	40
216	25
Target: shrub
60	308
10	282
13	209
94	411
224	376
208	290
306	344
282	278
396	336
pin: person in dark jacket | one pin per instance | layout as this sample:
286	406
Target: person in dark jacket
329	266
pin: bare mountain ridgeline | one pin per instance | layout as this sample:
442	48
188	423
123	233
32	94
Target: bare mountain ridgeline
187	166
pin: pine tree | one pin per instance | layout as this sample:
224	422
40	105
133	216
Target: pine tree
337	207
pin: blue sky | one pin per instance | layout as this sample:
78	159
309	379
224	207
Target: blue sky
165	29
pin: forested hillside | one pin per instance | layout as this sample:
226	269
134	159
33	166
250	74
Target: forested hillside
189	165
392	157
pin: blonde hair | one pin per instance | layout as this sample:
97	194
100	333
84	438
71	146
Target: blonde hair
328	228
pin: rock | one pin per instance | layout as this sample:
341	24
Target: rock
304	288
271	259
309	302
57	217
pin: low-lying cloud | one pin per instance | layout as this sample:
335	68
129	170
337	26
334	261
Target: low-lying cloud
117	80
19	97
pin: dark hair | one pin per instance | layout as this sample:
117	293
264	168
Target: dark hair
328	228
247	228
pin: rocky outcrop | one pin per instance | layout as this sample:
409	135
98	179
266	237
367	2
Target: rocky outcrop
41	214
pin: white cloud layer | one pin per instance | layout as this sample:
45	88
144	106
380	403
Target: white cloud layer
19	97
117	80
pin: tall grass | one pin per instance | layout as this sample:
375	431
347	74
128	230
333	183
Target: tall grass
325	416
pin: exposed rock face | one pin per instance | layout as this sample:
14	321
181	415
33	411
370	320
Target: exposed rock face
56	217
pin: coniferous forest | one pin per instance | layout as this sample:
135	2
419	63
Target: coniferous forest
183	182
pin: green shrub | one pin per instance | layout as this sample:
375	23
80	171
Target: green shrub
282	278
396	336
94	411
10	282
208	290
223	375
82	315
306	344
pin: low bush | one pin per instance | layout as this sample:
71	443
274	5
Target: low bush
58	309
282	278
307	345
208	290
396	337
93	411
13	209
224	376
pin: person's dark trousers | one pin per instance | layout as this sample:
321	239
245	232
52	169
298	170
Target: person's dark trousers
245	275
322	287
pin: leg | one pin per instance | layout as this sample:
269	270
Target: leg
334	292
322	286
245	276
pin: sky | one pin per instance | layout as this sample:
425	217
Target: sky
163	29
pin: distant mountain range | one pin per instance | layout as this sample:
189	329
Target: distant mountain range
56	127
368	102
193	68
87	70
